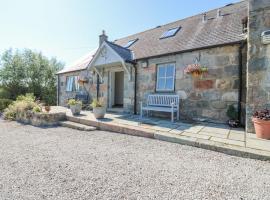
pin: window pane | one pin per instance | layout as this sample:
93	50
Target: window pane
170	70
161	71
68	88
169	84
161	84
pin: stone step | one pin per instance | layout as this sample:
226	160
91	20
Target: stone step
77	126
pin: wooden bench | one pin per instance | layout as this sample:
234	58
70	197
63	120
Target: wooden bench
162	103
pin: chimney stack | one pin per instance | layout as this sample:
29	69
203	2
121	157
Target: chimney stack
204	17
219	13
103	37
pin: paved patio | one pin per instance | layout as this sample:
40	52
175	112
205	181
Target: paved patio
218	137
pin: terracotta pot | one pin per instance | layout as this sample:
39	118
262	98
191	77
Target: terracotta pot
47	108
99	112
262	128
76	109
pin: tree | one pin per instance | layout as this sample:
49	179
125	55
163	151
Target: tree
27	71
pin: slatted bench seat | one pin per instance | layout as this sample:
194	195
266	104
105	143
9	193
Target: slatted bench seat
162	103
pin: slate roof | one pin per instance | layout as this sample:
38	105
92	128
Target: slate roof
125	53
80	64
194	32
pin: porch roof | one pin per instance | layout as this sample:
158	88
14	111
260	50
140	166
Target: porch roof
110	54
80	64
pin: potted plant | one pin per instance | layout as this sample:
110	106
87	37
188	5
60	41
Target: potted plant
99	109
75	106
261	120
233	117
196	70
47	108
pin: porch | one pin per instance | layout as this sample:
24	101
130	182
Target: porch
217	137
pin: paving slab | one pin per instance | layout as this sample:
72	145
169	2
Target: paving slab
227	141
213	134
190	129
175	131
195	135
256	143
216	130
236	136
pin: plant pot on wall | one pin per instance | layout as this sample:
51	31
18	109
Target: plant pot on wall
76	109
99	109
75	106
99	112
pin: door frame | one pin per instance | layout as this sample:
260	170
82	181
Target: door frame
112	85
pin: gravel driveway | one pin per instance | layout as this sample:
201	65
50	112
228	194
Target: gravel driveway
61	163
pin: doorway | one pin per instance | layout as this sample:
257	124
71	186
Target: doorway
118	89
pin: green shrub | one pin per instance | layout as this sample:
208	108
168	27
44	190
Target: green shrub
23	103
29	97
4	94
4	103
37	109
97	103
72	102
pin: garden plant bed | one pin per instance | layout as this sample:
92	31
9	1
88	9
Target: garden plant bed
40	119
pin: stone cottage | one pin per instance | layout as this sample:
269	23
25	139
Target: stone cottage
227	41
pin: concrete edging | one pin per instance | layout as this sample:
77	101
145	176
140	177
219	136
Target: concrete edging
179	139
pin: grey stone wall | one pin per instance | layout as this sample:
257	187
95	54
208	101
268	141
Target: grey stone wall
258	70
64	95
208	97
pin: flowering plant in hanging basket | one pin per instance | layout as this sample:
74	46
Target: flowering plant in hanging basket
82	80
196	70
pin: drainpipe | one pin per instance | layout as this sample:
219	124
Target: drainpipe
240	75
97	86
58	89
135	89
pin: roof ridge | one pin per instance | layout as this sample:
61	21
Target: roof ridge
117	45
193	16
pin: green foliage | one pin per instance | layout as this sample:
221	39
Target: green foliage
23	103
4	93
232	113
27	71
29	97
72	102
96	103
4	103
37	109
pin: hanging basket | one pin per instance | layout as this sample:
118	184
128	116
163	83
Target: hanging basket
196	70
83	78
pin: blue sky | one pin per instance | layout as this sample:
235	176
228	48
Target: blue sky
69	29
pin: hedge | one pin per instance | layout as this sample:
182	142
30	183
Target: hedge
4	103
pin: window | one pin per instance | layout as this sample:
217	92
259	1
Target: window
72	84
165	77
170	33
131	42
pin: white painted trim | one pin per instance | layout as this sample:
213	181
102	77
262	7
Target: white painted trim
121	60
165	90
104	44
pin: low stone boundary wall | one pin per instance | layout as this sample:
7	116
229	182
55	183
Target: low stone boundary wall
40	119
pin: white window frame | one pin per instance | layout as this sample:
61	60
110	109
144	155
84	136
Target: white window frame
72	84
165	77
